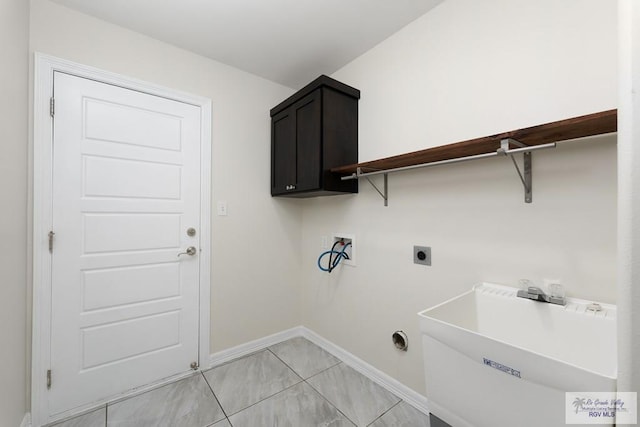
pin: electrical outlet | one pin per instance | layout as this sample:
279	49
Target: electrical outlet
422	255
349	240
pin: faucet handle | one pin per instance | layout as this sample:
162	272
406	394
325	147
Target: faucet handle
556	290
556	294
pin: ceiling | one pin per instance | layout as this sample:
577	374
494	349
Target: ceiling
290	42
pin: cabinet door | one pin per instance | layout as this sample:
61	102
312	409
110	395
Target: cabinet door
309	142
296	137
283	152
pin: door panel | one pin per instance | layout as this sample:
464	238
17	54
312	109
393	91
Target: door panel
113	232
112	287
134	337
126	186
154	129
284	152
130	178
309	141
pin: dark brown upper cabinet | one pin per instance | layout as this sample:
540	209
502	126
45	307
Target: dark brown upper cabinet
313	131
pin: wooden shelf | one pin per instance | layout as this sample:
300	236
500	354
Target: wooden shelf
577	127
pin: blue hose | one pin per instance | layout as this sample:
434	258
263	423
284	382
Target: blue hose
339	256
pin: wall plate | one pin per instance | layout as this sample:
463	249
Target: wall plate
351	250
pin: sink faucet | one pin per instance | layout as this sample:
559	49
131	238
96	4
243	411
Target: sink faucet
537	294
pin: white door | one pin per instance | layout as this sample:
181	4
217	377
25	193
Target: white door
126	188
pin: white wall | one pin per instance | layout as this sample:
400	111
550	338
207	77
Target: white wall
254	290
14	45
469	69
629	199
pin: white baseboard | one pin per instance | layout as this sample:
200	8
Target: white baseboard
410	396
241	350
26	421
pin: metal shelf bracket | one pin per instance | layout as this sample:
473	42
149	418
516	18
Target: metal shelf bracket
385	189
526	178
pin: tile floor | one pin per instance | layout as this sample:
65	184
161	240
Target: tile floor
294	383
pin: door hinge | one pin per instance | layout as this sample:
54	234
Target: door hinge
51	234
194	366
52	106
48	379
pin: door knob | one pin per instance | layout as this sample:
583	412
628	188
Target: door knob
191	251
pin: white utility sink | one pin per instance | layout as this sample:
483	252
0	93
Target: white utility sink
493	359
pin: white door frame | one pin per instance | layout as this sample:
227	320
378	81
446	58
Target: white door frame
42	212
